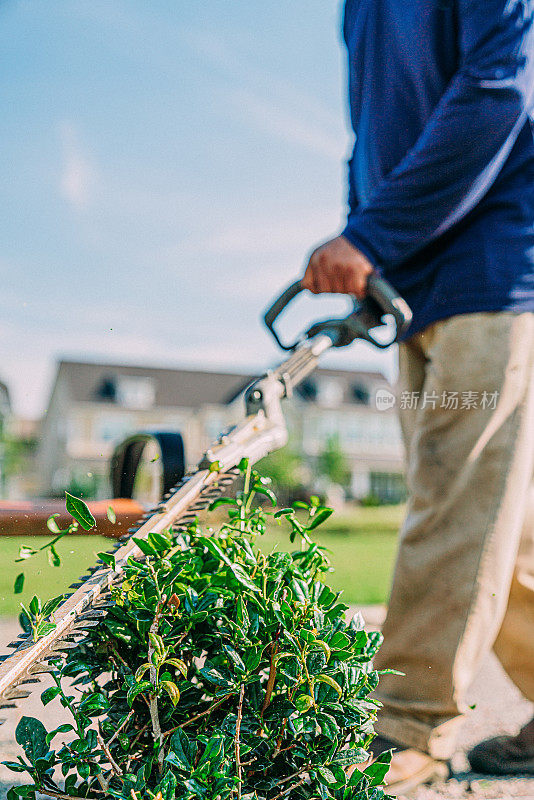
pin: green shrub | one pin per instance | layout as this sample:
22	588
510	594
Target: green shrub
218	673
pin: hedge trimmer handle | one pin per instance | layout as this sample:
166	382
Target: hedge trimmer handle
381	300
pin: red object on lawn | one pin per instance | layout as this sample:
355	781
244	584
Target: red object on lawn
28	518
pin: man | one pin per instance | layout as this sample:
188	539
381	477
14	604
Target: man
442	202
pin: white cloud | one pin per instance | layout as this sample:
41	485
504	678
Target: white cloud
78	176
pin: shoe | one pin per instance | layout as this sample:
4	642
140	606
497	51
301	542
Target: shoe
409	768
505	755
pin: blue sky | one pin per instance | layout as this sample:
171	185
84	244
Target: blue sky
166	167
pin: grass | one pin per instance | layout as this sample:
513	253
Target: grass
362	544
77	554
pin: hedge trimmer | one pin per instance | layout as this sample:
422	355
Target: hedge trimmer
262	431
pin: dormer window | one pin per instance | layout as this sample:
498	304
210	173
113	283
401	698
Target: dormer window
307	390
107	390
330	392
360	394
136	393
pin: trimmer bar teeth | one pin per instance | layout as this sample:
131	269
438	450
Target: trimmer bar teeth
87	623
39	668
17	694
63	646
88	599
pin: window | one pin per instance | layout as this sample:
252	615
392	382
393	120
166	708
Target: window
134	392
307	390
388	487
330	392
107	390
360	394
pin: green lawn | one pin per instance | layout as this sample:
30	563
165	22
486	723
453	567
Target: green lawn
362	544
77	554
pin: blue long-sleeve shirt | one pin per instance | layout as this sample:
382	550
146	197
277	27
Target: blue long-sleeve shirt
441	180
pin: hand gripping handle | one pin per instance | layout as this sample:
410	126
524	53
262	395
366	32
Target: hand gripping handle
381	299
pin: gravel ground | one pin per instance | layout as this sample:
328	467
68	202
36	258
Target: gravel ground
499	708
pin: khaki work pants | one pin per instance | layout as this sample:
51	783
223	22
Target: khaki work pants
464	577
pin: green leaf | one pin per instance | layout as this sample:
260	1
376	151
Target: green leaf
325	776
144	546
339	641
167	787
45	628
211	545
157	642
25	552
110	513
60	729
183	749
320	517
79	511
214	675
234	657
331	682
179	664
159	541
19	583
378	770
15	766
49	694
324	647
215	466
108	559
329	726
84	770
31	735
51	605
52	525
355	755
213	749
304	702
390	672
223	501
172	690
267	492
53	557
243	578
139	688
35	605
141	671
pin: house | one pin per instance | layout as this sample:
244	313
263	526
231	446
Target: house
93	406
5	407
5	411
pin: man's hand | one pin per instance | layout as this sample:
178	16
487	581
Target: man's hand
337	266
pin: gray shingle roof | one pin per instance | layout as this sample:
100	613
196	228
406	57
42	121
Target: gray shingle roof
183	388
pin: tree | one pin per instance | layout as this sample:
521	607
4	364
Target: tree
332	462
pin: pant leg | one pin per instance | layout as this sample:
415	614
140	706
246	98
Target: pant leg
468	482
515	643
412	372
